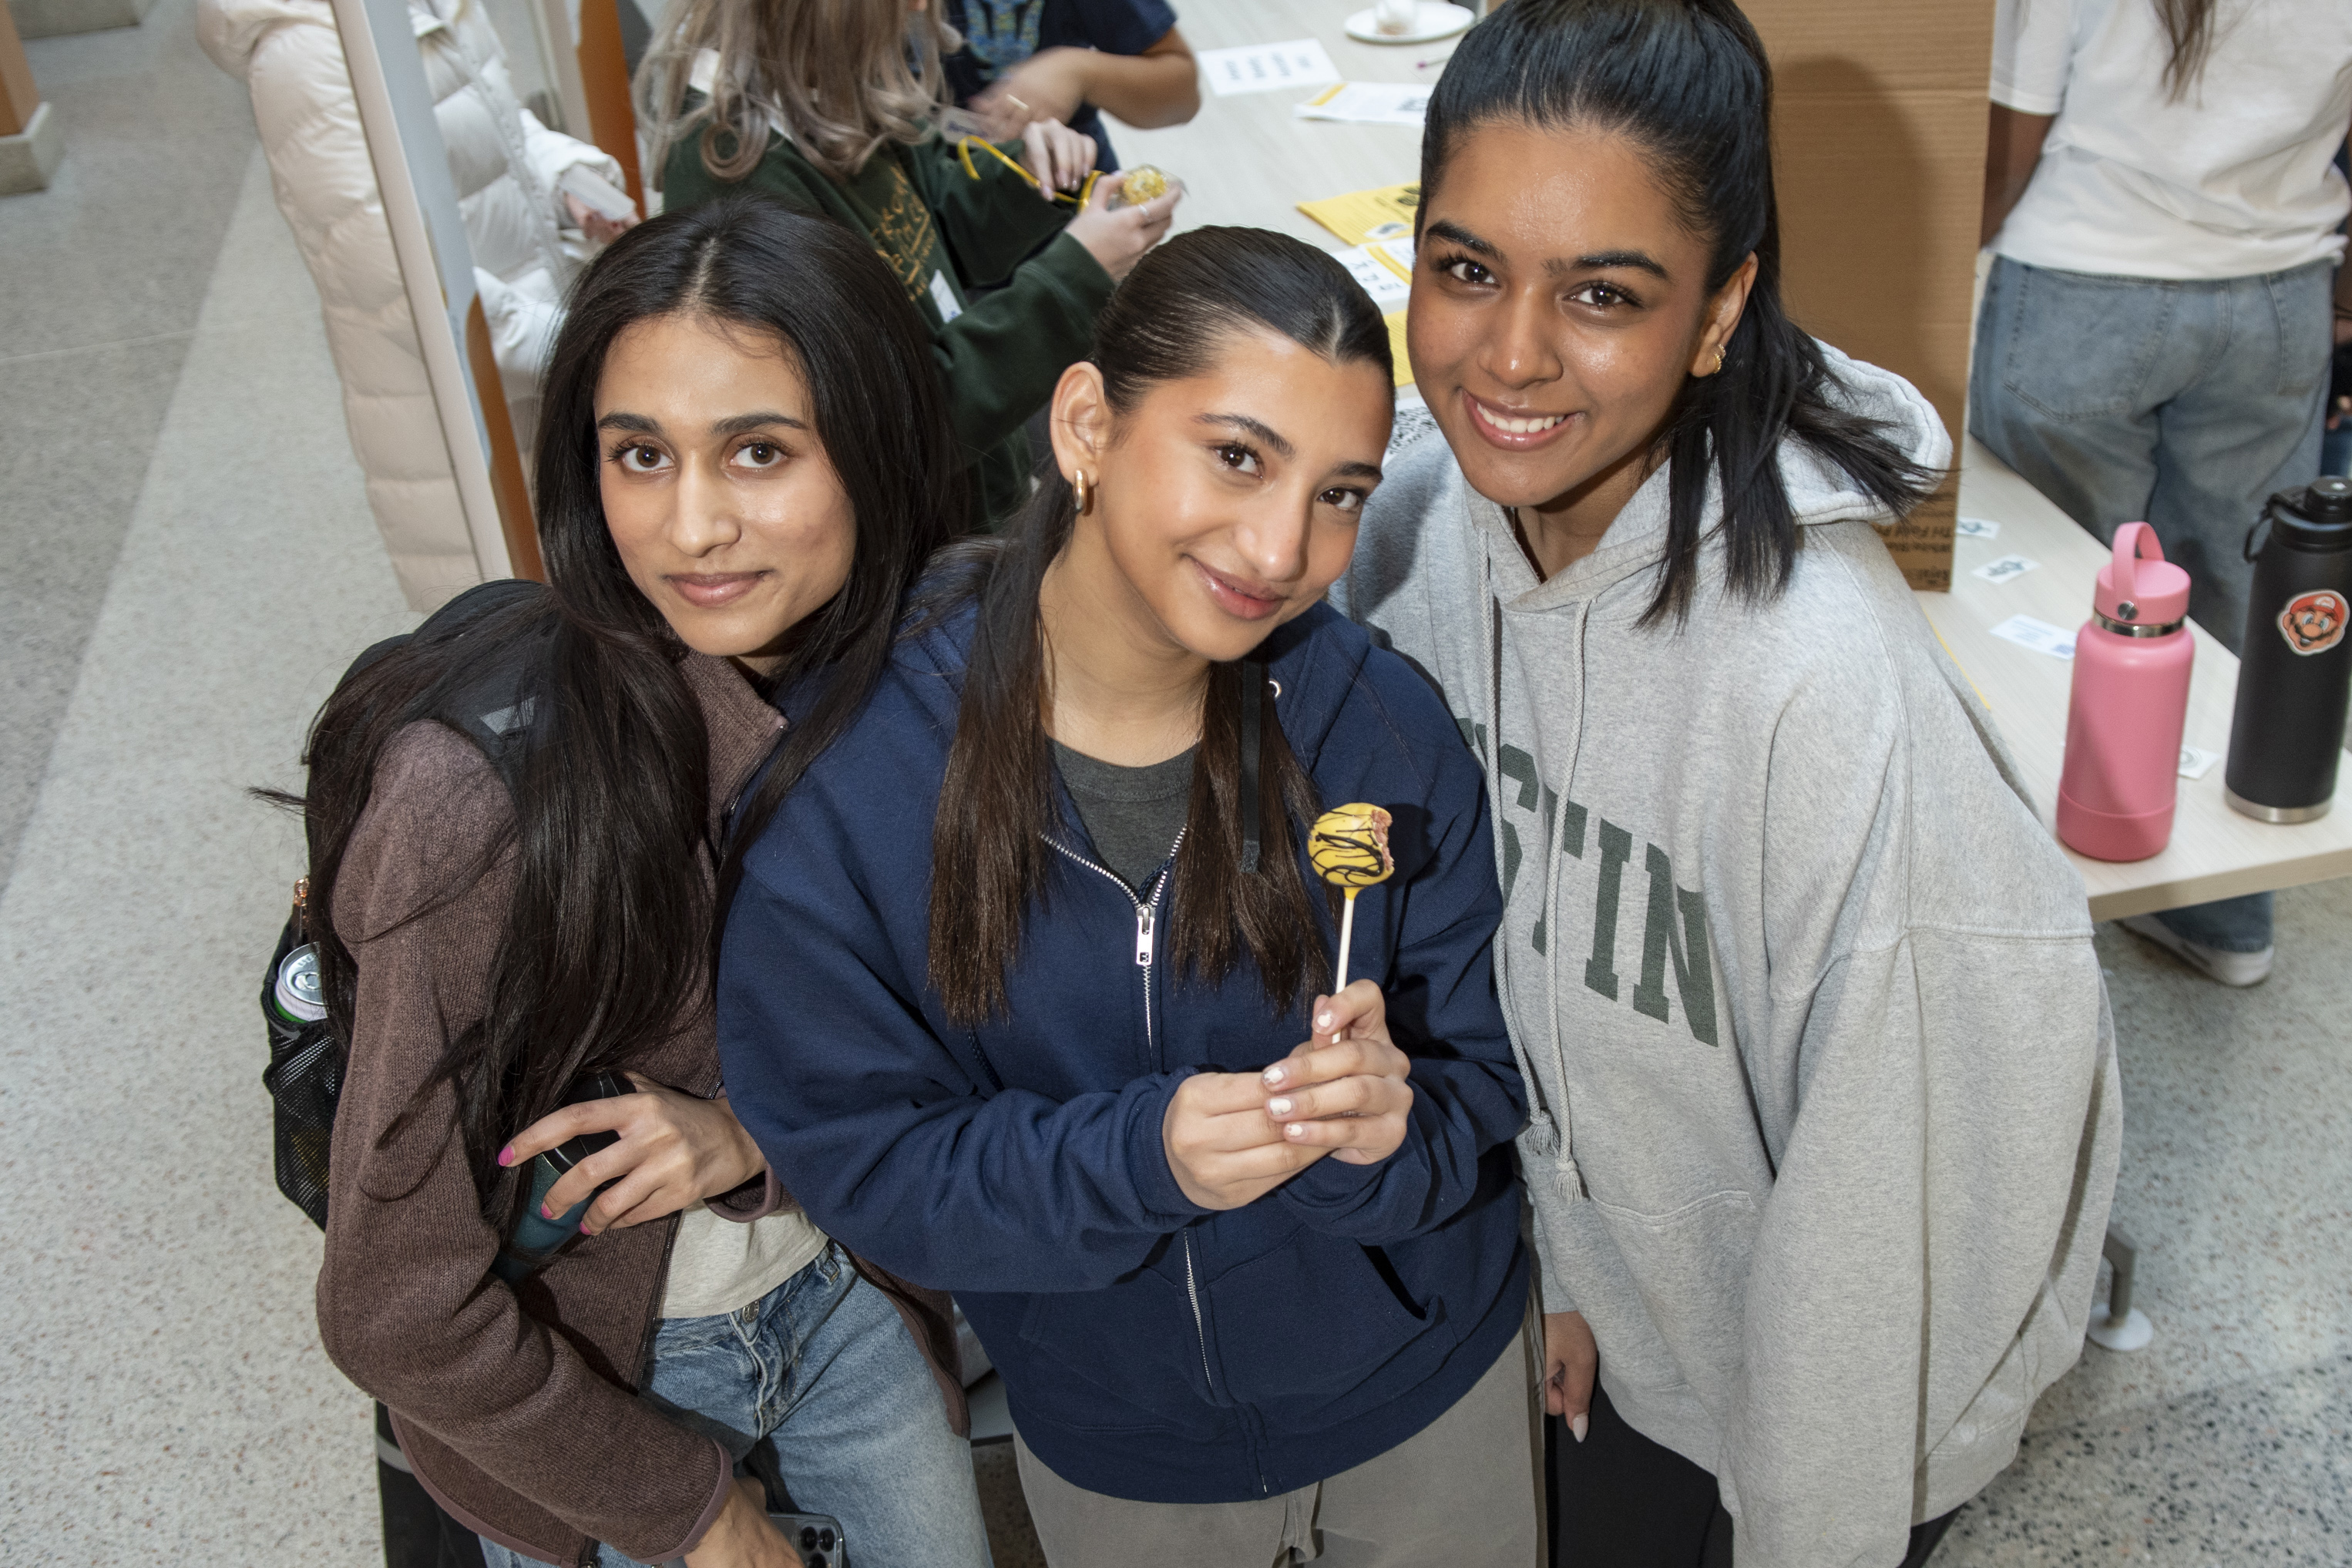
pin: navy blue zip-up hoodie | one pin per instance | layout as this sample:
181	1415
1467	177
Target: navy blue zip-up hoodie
1152	1350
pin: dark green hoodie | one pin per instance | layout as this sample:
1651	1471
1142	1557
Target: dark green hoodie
945	234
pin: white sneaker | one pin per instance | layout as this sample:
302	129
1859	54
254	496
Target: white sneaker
2230	968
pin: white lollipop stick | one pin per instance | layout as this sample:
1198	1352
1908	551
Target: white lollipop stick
1347	934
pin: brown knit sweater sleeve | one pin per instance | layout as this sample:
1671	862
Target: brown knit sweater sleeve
407	1306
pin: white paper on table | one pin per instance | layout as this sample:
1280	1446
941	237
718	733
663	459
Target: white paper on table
1264	68
1367	103
1977	528
2195	761
1389	291
2039	635
2004	569
1397	253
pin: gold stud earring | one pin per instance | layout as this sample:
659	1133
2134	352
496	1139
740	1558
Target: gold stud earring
1082	483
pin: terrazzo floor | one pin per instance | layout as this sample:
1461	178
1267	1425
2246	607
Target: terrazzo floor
189	562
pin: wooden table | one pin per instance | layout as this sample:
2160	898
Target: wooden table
1246	159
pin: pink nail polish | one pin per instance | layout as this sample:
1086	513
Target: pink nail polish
547	1211
584	1228
506	1155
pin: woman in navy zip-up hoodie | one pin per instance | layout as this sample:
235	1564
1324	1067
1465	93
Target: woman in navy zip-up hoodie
1025	995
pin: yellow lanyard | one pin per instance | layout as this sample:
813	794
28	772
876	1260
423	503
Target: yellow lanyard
963	152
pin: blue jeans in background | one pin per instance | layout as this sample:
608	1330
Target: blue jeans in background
2181	404
823	1371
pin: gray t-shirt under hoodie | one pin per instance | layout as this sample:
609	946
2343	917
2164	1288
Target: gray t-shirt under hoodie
1133	814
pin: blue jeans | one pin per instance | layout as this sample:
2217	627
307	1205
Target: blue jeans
2182	404
823	1371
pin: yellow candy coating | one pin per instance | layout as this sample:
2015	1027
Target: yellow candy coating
1348	846
1144	183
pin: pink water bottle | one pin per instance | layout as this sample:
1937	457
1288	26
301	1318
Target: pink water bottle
2131	697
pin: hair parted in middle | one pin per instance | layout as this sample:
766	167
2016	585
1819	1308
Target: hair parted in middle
1183	303
839	78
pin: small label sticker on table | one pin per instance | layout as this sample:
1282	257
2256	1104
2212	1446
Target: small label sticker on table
1267	68
2196	762
2004	569
1379	279
1977	528
2039	635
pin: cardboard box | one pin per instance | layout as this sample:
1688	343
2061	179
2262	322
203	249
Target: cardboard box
1880	115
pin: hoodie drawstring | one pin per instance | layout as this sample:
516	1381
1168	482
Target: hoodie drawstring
1547	1134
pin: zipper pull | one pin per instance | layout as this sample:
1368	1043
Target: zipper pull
1143	924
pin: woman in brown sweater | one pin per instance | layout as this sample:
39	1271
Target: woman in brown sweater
725	545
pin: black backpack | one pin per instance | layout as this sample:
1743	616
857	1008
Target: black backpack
493	709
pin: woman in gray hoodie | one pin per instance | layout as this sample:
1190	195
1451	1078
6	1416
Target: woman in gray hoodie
1825	1117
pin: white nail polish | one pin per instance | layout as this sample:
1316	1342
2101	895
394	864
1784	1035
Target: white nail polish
1295	1130
1279	1107
1577	1427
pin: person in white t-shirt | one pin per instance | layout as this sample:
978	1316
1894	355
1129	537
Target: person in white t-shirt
2166	221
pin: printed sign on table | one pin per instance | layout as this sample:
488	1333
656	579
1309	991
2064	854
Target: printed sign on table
1265	67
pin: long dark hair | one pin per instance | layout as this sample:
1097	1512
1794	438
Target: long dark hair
605	945
1687	82
989	853
2189	35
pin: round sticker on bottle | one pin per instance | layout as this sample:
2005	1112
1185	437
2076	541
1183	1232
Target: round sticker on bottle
2312	623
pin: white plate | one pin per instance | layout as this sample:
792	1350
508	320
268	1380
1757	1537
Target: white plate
1435	19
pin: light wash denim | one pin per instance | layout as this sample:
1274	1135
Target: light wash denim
2181	404
823	1371
2184	405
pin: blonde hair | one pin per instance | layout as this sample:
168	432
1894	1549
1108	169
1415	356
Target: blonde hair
839	78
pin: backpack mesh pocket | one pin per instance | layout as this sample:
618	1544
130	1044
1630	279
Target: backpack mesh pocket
304	1077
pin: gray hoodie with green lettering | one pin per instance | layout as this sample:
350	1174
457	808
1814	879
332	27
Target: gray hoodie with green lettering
1826	1116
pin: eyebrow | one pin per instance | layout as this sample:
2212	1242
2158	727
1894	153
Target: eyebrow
1595	261
1259	428
737	424
1446	229
1282	447
1639	260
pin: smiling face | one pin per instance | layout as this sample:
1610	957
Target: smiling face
719	497
1559	307
1226	503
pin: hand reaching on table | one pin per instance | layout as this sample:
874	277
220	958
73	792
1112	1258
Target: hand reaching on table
1049	85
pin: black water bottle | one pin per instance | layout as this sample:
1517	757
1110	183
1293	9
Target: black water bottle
2295	668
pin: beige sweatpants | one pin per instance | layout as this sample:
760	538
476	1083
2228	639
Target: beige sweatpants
1465	1493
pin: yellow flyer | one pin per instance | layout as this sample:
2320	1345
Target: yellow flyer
1396	349
1362	215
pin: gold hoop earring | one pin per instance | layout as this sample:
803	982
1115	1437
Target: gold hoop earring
1719	361
1082	485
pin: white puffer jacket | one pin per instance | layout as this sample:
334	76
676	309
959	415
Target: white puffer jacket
504	164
